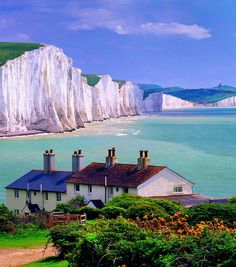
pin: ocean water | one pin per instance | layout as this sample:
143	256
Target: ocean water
200	144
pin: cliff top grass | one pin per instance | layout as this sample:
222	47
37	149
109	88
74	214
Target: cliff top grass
92	79
120	82
10	51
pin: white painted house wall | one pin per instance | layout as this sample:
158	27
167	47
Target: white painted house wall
162	184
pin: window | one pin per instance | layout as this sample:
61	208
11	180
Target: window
90	189
177	189
35	193
117	189
76	188
58	196
28	196
16	193
111	190
125	190
46	195
16	211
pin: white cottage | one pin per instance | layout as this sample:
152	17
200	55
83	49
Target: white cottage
44	189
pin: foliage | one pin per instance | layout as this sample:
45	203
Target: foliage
209	211
77	202
10	51
50	261
92	79
64	237
92	213
232	200
138	206
124	242
113	212
4	211
142	210
6	226
66	208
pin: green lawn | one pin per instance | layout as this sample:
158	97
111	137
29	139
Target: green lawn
50	261
28	238
13	50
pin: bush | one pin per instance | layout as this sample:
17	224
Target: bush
4	211
232	200
64	237
66	208
6	226
77	202
92	213
112	212
144	209
209	211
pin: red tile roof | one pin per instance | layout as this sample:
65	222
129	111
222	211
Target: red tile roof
123	175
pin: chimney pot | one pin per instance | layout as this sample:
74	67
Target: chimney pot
77	161
146	153
51	151
79	151
141	153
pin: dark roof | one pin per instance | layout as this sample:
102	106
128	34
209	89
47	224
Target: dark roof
124	175
51	182
97	203
33	207
187	200
219	200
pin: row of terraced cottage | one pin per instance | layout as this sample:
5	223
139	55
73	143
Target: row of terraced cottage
97	182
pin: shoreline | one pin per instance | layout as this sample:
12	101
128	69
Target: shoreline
96	127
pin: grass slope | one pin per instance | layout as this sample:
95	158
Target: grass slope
201	95
92	79
10	51
28	238
50	261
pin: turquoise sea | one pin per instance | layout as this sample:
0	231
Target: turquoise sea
200	144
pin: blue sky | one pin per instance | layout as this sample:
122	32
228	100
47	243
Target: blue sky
189	43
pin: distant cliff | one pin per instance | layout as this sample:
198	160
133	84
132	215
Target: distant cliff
41	90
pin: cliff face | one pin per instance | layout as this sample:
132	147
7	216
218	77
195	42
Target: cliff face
172	102
153	103
228	102
41	90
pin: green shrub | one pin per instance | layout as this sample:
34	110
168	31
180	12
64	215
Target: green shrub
232	200
64	237
77	202
4	211
92	213
144	209
92	79
209	211
66	208
112	212
6	226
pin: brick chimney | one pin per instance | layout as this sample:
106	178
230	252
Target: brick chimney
111	158
77	161
140	159
49	161
146	159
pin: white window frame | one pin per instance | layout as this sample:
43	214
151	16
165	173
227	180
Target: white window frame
16	211
111	190
177	189
58	197
90	189
125	189
76	191
46	195
117	189
16	193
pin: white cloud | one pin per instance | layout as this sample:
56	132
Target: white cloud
111	19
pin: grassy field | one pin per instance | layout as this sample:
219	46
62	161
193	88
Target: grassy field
92	79
50	261
12	50
28	238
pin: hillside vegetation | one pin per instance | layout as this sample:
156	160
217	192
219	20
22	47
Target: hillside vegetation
92	79
10	51
201	95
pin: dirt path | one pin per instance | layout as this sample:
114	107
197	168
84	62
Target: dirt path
14	257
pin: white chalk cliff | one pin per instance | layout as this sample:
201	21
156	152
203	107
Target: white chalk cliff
172	102
228	102
41	90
